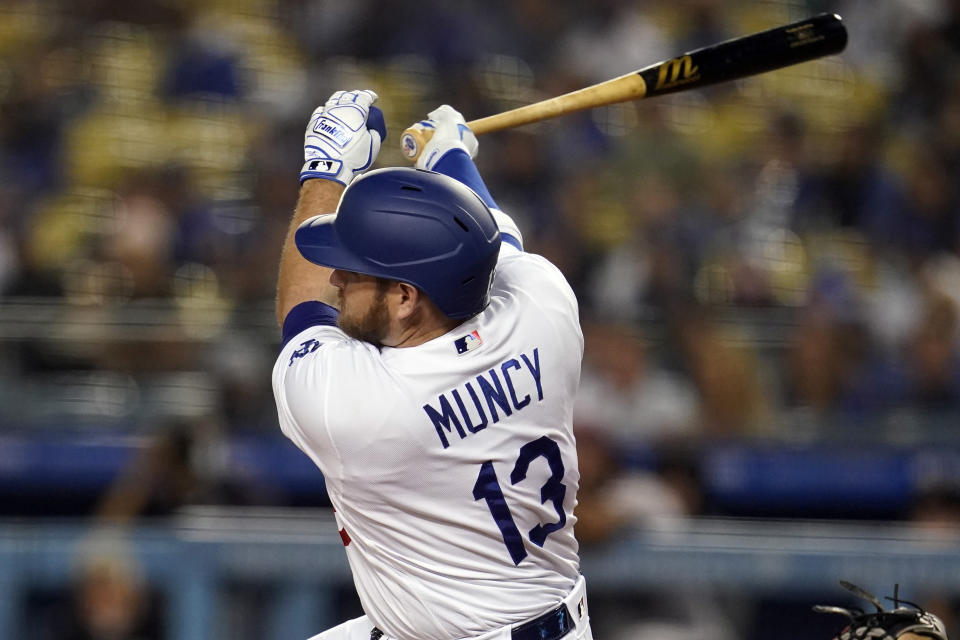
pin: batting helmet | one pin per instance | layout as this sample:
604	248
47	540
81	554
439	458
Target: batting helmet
415	226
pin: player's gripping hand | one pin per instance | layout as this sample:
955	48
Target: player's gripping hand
343	137
450	132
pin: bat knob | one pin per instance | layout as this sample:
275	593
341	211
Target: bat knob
412	142
409	146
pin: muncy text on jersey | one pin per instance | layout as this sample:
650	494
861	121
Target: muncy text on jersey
495	389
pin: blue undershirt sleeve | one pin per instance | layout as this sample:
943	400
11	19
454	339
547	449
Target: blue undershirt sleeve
458	165
509	239
305	315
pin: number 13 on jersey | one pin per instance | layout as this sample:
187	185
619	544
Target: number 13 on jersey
487	487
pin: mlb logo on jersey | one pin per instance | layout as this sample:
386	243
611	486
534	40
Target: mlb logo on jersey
468	342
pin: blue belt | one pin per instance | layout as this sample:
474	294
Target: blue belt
552	625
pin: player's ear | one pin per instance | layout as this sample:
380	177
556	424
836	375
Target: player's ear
406	297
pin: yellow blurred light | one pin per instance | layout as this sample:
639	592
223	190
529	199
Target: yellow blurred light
209	136
102	145
63	225
126	64
24	23
201	310
607	225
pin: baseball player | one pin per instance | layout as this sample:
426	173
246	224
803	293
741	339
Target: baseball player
429	367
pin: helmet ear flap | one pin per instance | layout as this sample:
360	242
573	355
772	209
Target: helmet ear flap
415	226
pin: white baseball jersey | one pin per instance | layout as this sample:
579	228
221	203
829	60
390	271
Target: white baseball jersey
451	465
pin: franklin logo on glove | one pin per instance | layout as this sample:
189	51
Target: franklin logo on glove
333	131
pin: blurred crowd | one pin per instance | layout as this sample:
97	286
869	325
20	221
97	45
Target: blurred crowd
776	251
146	153
761	258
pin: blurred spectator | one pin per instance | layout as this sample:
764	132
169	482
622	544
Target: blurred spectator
625	395
141	240
928	59
732	400
613	499
111	605
651	245
934	357
854	190
203	66
818	360
109	599
181	465
31	125
834	368
930	219
611	39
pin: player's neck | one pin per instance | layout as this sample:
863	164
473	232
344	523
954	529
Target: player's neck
429	326
420	337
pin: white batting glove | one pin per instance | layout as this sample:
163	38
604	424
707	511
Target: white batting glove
450	131
343	137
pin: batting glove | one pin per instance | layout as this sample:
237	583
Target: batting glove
343	137
450	132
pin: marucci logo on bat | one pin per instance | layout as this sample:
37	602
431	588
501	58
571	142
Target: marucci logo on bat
803	35
671	70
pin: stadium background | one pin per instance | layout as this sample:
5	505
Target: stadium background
768	272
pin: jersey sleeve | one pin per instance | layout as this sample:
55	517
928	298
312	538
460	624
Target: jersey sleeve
307	327
322	382
300	388
530	276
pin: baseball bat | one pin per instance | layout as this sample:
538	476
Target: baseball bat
775	48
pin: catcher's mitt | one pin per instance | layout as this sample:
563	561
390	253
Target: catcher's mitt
899	622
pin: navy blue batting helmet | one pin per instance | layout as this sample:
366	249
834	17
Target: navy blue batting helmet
415	226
